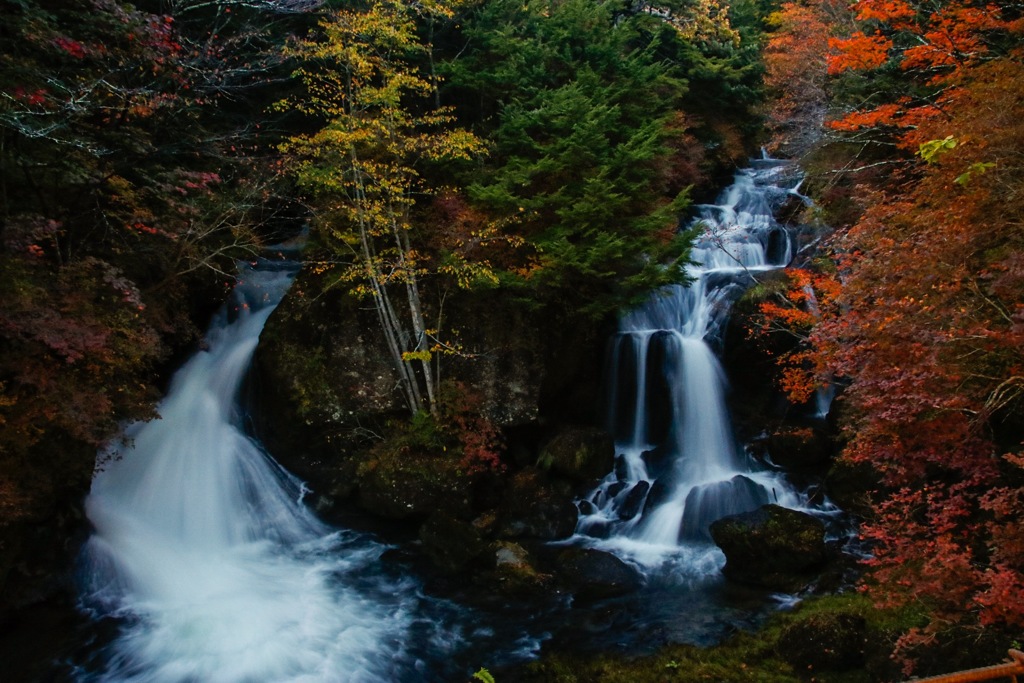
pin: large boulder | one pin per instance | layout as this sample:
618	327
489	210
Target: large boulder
772	546
325	389
750	359
709	502
410	485
450	543
594	574
582	454
516	572
533	508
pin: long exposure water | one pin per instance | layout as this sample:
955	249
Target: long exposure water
679	467
205	564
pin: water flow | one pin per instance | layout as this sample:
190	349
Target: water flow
205	556
678	467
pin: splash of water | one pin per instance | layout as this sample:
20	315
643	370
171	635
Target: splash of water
205	555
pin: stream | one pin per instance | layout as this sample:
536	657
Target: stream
206	566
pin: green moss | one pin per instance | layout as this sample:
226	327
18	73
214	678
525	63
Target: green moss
309	387
748	657
415	470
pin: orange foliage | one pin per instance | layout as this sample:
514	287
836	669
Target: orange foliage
928	332
897	13
933	45
795	69
796	312
859	52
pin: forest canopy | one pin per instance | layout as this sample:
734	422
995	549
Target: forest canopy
546	150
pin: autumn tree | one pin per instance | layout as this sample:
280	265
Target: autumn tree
366	79
129	184
796	71
925	328
900	62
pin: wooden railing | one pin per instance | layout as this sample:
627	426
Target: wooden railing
1009	670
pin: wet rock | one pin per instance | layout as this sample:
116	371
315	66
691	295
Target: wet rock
658	461
451	544
531	508
772	546
516	572
620	467
616	488
593	574
596	528
586	507
582	454
633	501
659	493
621	370
828	641
663	346
710	502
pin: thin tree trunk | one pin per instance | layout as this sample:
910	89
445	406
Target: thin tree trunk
382	304
419	327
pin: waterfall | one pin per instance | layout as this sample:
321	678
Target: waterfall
678	466
206	557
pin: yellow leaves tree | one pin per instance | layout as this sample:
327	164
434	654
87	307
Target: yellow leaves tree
367	78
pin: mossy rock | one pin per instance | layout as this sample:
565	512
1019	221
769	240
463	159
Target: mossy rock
773	546
412	485
582	454
516	571
833	641
749	656
451	544
535	507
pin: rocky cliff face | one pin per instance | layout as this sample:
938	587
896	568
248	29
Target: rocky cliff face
325	390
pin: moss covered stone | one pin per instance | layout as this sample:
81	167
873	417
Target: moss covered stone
772	546
412	485
579	453
450	543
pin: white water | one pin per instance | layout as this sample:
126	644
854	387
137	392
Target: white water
679	466
206	556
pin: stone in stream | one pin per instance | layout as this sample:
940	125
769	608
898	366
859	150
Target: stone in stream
594	574
710	502
772	546
633	501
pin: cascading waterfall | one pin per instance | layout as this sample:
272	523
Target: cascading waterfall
678	466
205	555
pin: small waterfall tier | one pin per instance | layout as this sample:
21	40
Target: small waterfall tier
678	465
206	559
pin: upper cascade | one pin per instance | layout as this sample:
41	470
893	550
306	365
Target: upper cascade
678	465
